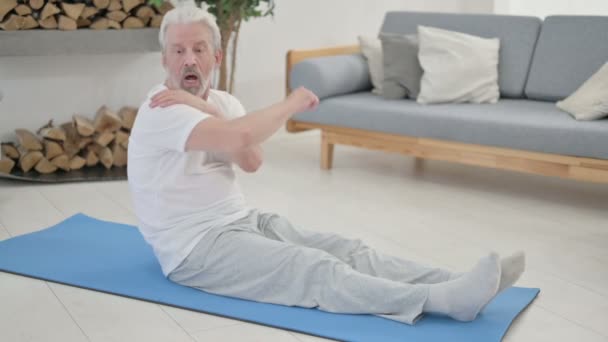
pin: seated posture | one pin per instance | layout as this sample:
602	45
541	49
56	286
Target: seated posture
184	144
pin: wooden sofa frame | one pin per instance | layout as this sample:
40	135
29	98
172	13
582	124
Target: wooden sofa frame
578	168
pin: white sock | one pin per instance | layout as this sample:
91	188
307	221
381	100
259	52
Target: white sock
511	268
464	297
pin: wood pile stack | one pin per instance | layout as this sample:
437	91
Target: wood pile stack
79	14
71	145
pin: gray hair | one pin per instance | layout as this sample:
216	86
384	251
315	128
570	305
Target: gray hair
187	14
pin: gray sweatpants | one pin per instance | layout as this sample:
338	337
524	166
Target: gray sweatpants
264	258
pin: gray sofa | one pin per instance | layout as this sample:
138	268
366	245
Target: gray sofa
540	63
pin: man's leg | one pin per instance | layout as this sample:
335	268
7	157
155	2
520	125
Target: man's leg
353	252
247	265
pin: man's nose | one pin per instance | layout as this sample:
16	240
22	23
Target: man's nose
190	58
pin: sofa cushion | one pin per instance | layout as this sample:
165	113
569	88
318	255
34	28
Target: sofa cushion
329	76
402	70
590	101
517	36
569	50
511	123
458	67
371	49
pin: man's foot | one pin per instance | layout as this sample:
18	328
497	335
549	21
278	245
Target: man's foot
511	267
464	297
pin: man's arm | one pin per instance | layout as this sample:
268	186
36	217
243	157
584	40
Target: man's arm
249	160
244	133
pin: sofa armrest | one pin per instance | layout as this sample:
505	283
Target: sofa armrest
327	72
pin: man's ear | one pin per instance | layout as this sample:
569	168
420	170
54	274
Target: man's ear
219	55
163	59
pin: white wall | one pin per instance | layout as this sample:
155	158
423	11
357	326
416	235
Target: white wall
543	8
35	89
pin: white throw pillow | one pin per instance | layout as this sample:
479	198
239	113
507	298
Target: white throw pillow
371	47
590	100
458	67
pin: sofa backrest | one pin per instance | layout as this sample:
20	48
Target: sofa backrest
569	50
517	34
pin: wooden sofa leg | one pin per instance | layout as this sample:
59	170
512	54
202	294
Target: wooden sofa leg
327	152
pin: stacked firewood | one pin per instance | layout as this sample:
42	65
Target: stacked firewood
72	145
80	14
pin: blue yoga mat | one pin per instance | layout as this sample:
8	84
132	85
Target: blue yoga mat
114	258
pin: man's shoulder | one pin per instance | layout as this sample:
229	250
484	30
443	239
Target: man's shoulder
229	101
156	89
153	91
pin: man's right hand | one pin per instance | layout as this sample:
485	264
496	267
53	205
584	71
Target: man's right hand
169	97
302	100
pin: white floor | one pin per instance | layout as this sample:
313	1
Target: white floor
436	212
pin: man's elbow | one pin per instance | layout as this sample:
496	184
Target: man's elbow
252	166
252	160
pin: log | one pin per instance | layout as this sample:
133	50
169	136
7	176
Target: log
100	24
81	22
48	131
44	166
133	23
101	4
62	162
88	12
49	10
72	142
114	24
106	120
119	154
84	141
29	159
104	138
49	23
156	21
106	158
6	165
67	23
127	114
91	158
52	149
77	163
115	5
6	6
104	153
29	23
10	150
165	7
117	15
128	5
36	4
73	10
13	23
83	125
145	13
28	140
122	138
22	10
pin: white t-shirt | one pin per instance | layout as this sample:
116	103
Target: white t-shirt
178	196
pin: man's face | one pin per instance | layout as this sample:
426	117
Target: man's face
189	57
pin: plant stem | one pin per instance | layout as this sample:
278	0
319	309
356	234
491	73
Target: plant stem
235	41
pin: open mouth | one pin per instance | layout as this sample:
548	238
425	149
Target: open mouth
191	78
